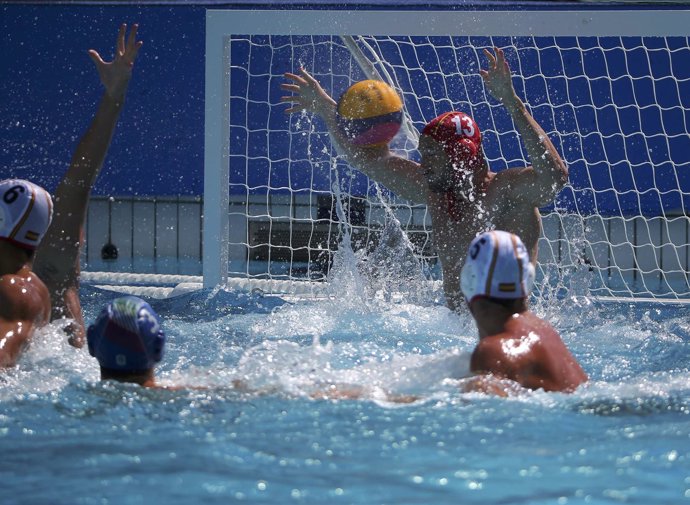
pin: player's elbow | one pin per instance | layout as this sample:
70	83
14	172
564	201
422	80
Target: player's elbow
553	167
559	181
556	177
562	170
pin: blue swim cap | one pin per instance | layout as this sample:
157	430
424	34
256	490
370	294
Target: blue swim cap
126	336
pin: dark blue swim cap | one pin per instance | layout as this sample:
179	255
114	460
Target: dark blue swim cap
126	336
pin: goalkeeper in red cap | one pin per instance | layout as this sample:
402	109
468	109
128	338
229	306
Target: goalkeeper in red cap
453	179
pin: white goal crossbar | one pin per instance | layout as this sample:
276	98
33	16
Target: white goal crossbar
572	67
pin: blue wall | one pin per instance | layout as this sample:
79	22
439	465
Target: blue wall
49	91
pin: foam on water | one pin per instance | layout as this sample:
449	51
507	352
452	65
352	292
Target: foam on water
258	431
620	438
366	335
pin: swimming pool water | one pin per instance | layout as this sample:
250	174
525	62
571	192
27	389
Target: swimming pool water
66	438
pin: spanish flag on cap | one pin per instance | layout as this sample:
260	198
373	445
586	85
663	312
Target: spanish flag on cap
25	212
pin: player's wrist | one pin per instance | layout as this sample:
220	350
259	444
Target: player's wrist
113	101
116	88
325	106
513	104
116	94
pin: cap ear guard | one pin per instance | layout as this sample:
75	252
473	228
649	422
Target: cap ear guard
96	329
148	324
468	281
529	276
469	149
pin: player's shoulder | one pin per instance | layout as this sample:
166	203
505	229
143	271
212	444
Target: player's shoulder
394	160
534	323
24	278
511	175
490	347
23	296
513	184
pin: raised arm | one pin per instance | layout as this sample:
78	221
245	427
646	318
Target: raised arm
57	259
400	175
548	173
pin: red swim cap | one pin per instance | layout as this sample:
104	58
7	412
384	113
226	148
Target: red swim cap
460	137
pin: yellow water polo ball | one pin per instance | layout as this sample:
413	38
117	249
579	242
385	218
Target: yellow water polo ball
370	113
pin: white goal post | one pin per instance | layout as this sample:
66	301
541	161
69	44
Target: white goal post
611	88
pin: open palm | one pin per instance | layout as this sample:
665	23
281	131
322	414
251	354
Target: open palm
497	76
115	75
308	93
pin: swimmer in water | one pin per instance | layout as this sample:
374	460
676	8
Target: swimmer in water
128	341
39	261
516	348
463	195
25	214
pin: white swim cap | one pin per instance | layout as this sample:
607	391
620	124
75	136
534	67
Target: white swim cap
497	266
25	212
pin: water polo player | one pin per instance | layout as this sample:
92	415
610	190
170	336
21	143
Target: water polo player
57	258
517	350
463	196
25	214
127	340
514	344
26	211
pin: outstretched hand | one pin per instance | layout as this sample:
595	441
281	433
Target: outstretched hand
115	75
497	76
308	94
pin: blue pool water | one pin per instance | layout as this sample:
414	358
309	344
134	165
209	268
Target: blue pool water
67	438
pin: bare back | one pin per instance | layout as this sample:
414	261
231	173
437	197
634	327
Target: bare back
530	352
24	307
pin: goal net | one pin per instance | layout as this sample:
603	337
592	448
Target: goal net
611	88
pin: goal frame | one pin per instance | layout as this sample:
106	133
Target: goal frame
222	24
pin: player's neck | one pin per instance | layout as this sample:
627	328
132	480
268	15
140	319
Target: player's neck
492	318
144	378
473	186
13	259
493	324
